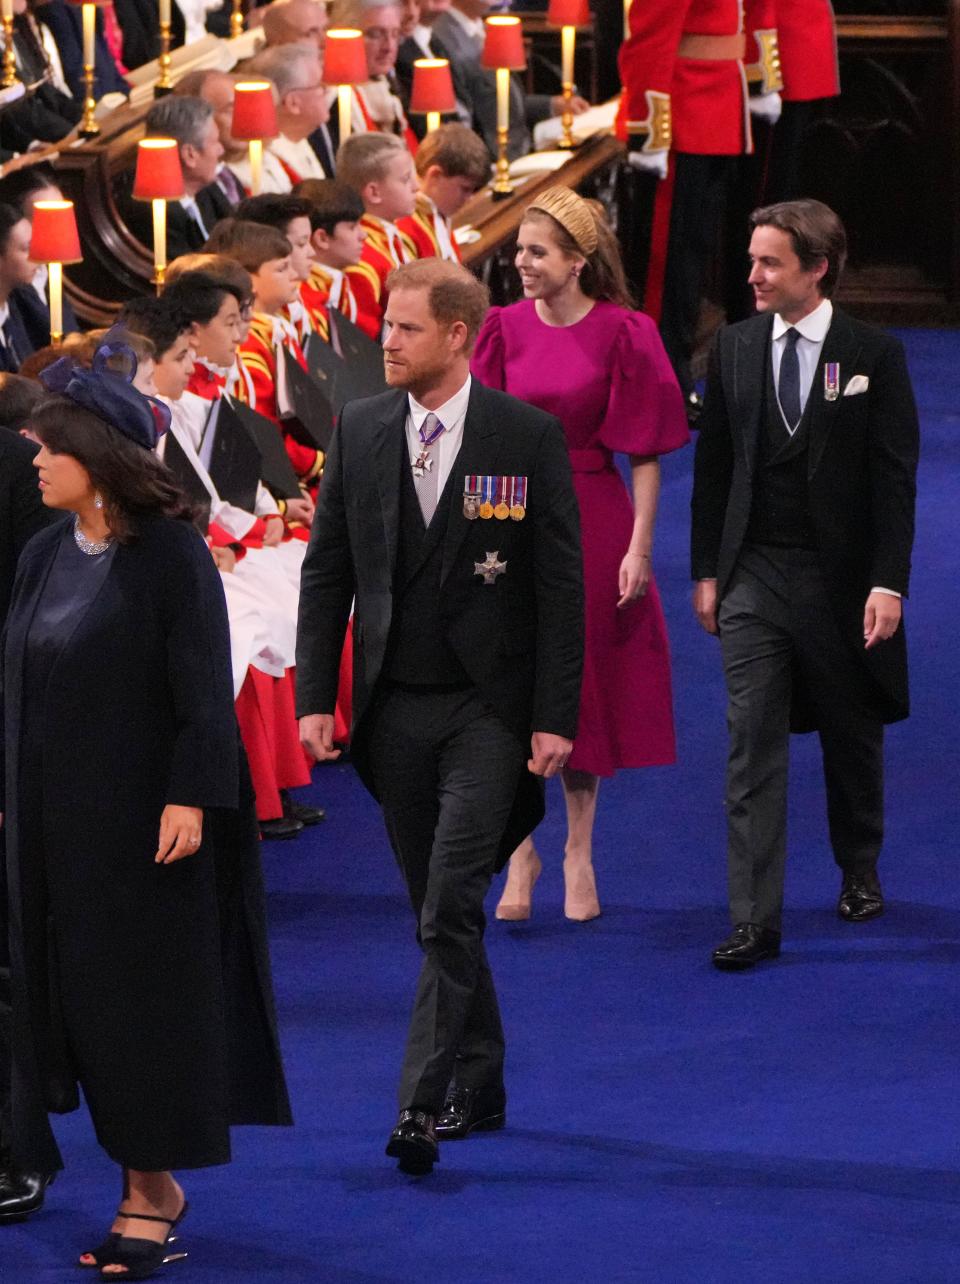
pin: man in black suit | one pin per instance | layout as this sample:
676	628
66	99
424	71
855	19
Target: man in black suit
16	270
803	504
22	514
191	219
468	641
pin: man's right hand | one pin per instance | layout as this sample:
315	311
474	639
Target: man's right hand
316	736
705	604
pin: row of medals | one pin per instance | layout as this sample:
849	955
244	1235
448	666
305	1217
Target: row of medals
472	509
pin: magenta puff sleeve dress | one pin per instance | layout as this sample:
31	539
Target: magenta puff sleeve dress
608	381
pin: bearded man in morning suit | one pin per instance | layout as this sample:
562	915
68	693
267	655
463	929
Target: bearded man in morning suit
803	518
447	513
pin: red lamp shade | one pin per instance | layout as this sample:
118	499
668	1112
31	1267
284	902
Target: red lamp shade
503	46
254	111
54	238
432	86
569	13
344	57
159	174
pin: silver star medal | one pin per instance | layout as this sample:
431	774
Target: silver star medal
422	464
490	569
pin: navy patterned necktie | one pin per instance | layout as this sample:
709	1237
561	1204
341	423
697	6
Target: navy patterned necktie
789	389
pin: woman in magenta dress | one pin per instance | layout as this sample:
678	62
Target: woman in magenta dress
574	347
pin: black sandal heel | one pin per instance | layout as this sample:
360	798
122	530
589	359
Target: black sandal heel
142	1257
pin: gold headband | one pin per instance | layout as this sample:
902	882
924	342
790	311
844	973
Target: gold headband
572	213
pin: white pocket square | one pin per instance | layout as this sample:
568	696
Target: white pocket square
859	383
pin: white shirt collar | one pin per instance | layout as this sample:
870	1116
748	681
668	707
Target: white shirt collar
449	414
814	325
421	35
472	26
4	313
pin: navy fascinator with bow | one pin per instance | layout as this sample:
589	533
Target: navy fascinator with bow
109	392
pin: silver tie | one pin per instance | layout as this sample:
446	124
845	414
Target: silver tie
426	483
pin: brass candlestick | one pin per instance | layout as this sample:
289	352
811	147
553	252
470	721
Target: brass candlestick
9	53
236	19
88	126
164	83
501	182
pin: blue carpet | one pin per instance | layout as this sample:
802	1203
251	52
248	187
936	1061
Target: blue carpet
668	1124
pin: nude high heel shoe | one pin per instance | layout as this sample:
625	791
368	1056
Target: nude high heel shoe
516	902
580	901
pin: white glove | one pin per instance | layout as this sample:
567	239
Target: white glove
767	107
649	162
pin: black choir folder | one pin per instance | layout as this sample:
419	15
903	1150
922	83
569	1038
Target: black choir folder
275	469
312	411
188	479
350	366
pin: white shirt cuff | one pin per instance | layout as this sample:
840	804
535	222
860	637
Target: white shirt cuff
889	592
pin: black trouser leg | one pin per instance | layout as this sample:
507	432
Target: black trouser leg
6	1052
447	772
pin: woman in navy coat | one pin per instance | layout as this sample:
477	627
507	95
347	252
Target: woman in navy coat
137	943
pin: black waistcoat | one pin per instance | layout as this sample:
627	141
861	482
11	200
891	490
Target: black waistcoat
780	513
418	652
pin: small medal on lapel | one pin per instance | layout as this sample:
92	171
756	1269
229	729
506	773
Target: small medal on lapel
831	380
490	568
502	510
486	508
518	499
471	497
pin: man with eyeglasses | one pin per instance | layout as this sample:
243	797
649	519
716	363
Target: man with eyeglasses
303	104
377	105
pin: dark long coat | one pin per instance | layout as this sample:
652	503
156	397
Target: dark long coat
861	480
520	639
146	984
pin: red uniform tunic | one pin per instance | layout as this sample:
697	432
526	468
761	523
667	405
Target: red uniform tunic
327	288
259	354
683	77
808	50
383	250
429	232
762	59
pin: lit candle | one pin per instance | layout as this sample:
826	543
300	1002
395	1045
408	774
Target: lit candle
160	236
568	37
165	12
503	98
345	99
89	31
256	165
626	18
6	9
433	121
55	296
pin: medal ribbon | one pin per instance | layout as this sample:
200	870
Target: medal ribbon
521	491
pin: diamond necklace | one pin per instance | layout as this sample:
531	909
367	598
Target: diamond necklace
89	546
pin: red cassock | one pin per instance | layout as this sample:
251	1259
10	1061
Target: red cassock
259	355
683	77
808	50
429	232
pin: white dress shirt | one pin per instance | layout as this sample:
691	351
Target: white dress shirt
445	449
193	209
273	177
813	331
473	27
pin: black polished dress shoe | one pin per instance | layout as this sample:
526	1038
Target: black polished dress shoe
282	827
860	898
748	944
21	1194
414	1143
300	811
468	1110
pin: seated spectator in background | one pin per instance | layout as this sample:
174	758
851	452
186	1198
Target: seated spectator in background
377	105
291	216
462	32
191	219
287	22
380	170
138	22
64	23
419	40
23	188
16	270
18	397
265	254
217	89
80	345
337	237
47	113
452	165
296	72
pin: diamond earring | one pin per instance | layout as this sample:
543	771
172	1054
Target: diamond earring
98	500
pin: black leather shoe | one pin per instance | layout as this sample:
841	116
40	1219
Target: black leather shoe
468	1110
860	898
300	811
282	827
21	1194
414	1143
748	944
